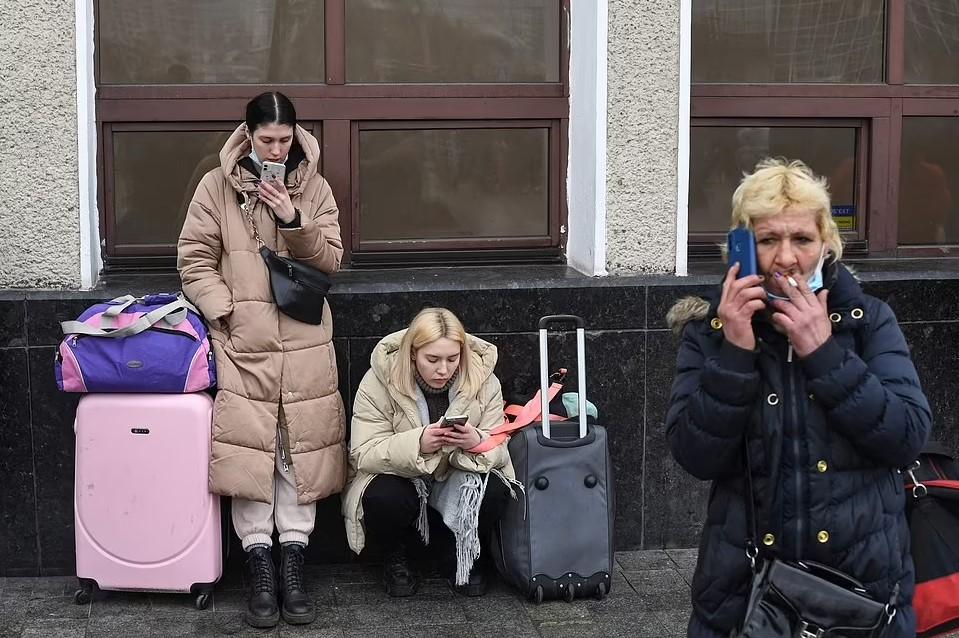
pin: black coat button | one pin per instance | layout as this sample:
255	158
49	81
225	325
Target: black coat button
590	481
541	483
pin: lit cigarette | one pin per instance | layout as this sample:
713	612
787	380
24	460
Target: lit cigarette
792	282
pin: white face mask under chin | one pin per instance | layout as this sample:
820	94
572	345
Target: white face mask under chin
256	158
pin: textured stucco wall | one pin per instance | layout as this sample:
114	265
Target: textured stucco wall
39	196
643	109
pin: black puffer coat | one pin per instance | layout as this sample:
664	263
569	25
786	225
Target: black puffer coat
826	435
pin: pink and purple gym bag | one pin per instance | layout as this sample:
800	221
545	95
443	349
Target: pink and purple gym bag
156	343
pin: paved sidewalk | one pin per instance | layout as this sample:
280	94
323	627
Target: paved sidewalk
649	598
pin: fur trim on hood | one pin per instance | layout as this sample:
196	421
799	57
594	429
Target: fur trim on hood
685	310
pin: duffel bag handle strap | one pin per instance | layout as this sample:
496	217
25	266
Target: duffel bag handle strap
172	313
118	305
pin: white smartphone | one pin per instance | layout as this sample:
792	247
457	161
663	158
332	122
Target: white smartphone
273	172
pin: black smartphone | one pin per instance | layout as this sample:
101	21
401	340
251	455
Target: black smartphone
454	420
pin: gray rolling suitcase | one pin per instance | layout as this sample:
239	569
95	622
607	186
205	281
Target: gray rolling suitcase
559	543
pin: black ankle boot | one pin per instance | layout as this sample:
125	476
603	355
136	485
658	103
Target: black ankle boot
297	605
398	576
262	610
476	586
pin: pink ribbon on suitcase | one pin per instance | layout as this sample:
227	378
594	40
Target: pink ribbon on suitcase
522	416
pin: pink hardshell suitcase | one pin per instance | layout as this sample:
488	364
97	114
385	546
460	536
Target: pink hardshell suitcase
145	517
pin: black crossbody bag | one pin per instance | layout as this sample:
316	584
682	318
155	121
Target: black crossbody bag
299	291
806	599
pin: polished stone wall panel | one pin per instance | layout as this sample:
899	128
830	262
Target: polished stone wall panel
935	351
13	329
54	444
630	364
19	549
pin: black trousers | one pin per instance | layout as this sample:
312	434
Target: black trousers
391	507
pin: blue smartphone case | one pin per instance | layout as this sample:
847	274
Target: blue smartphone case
742	249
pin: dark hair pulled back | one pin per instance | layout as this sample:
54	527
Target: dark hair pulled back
271	107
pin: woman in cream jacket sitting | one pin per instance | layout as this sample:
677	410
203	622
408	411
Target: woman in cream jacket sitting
413	479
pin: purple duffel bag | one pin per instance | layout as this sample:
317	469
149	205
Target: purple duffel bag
156	343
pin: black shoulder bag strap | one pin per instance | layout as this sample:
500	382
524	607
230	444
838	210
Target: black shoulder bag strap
752	550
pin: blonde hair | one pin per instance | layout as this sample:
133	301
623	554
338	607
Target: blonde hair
777	184
427	326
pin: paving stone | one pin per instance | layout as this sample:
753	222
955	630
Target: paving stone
120	604
556	611
674	621
55	608
369	593
11	620
114	626
498	588
180	627
345	574
62	628
683	555
568	628
232	624
642	560
506	612
437	631
659	590
638	626
309	631
182	605
686	573
426	612
229	601
524	629
317	578
649	597
401	613
53	587
19	587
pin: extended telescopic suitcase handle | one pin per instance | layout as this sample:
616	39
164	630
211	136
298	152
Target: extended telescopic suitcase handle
544	324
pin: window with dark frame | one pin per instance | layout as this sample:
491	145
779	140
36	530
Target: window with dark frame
442	123
866	92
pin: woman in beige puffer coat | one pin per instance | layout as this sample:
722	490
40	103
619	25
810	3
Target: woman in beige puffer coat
399	446
278	432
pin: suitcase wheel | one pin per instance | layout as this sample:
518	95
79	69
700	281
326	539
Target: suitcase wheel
568	592
601	590
84	595
537	595
203	601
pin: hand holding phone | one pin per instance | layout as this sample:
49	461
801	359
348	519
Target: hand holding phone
743	296
459	433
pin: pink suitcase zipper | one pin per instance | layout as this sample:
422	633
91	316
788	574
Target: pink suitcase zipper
145	518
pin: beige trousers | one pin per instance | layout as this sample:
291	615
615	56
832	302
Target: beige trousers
253	521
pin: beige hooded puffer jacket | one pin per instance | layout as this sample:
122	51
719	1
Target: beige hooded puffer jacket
386	428
273	371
